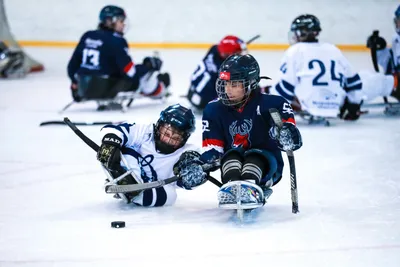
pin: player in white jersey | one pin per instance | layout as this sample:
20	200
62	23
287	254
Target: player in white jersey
316	77
152	151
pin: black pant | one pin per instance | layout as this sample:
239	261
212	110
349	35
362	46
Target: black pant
96	87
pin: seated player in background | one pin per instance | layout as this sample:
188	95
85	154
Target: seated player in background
238	130
202	84
317	79
388	58
152	150
100	66
11	62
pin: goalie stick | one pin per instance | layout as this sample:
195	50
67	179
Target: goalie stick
276	117
136	187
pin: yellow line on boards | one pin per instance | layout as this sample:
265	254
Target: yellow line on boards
66	44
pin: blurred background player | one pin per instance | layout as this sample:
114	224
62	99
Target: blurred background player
151	151
238	129
11	62
388	59
316	77
101	67
202	85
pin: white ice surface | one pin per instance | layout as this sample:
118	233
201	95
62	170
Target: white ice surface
54	212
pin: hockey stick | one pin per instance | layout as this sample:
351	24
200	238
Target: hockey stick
253	39
372	46
81	135
45	123
136	187
276	117
112	189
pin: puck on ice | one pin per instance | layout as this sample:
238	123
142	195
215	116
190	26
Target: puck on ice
118	224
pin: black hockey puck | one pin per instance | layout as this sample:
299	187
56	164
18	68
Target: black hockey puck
118	224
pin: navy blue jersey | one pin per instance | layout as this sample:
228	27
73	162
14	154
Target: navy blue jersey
202	87
105	53
225	128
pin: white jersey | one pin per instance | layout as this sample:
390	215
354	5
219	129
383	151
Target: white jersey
396	49
138	147
319	76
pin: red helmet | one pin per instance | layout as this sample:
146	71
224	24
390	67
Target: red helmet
231	45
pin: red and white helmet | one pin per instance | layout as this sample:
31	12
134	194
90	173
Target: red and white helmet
231	45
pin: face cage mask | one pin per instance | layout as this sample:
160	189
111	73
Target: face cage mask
396	22
163	147
220	88
299	36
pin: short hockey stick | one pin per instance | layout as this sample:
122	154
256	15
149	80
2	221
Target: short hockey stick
253	39
137	187
112	189
276	117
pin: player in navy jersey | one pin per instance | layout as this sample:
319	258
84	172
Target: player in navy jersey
101	67
202	85
238	130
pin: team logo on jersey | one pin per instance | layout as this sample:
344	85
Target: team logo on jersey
223	75
241	133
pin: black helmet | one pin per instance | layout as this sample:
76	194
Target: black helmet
238	68
306	28
181	119
109	14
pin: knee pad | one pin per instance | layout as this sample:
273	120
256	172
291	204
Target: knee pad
231	165
259	164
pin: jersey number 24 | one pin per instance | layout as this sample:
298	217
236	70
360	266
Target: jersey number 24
321	79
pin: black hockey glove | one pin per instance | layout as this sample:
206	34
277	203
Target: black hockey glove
74	91
288	137
152	63
109	153
189	169
350	111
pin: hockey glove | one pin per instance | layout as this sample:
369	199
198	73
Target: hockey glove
109	153
74	91
189	169
350	111
288	137
152	63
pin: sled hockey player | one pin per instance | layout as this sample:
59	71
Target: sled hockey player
317	79
238	130
202	85
11	62
100	66
152	152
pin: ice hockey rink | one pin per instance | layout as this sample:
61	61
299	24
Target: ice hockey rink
54	211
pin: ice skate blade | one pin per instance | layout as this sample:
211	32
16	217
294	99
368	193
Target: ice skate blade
240	207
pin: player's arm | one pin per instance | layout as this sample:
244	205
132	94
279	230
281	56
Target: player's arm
352	84
287	79
125	62
205	75
288	137
114	137
76	60
212	134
